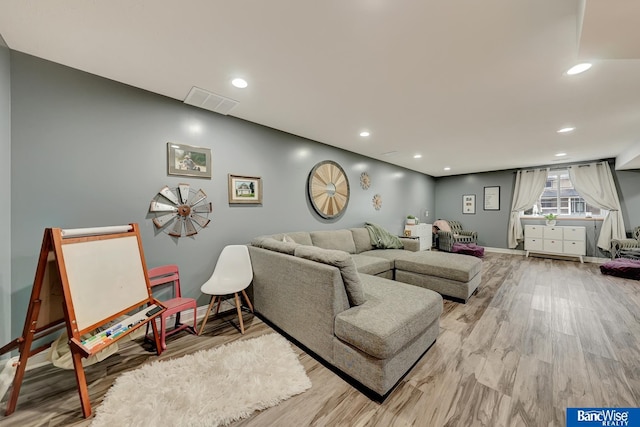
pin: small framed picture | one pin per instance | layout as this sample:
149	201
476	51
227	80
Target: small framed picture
245	189
186	160
469	204
492	198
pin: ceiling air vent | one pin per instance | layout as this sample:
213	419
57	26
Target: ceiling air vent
210	101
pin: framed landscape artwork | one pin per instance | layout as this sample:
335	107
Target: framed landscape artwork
245	189
186	160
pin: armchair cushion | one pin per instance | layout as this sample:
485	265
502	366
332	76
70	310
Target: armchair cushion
446	239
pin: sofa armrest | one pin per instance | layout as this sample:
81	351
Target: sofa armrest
412	245
472	234
286	292
618	244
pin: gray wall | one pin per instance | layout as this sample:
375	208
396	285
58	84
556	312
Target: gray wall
629	184
5	194
492	226
87	151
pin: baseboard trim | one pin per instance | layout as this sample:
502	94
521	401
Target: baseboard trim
595	260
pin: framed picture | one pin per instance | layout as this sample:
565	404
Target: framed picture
245	189
492	198
186	160
469	204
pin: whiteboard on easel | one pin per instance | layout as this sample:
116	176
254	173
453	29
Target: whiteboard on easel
105	276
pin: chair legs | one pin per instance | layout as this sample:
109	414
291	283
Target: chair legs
218	298
206	316
239	312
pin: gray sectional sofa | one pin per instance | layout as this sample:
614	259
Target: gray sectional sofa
331	291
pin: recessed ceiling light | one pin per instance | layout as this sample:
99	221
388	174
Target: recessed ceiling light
239	83
417	156
579	68
566	130
447	168
364	133
561	154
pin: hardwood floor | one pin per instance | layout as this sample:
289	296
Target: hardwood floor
540	335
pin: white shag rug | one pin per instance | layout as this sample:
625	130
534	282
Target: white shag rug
209	388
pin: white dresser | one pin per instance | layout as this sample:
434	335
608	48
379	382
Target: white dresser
423	232
555	240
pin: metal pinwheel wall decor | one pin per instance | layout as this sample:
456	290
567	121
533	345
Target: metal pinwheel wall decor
180	211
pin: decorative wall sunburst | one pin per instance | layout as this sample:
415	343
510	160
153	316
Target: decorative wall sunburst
328	189
377	202
365	181
180	209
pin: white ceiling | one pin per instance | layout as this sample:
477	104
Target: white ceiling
474	85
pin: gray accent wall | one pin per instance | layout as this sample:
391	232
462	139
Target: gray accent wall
628	181
87	151
5	194
492	226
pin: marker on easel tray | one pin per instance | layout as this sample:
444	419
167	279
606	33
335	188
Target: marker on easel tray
115	329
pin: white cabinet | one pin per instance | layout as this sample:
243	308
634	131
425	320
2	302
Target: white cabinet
555	240
423	232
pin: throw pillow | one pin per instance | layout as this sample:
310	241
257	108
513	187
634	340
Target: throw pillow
442	225
341	260
287	239
274	245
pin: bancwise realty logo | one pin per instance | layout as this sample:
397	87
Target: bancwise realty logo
603	417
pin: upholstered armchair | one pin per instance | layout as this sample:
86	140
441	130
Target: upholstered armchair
620	246
450	232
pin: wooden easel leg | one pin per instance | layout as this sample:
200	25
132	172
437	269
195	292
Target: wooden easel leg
244	294
30	325
206	316
81	380
17	381
239	312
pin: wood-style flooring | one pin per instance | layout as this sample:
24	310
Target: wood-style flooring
539	336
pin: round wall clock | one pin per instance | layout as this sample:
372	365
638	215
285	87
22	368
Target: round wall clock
328	189
180	211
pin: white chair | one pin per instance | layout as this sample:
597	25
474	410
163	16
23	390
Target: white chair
233	273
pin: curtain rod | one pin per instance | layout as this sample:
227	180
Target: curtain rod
557	168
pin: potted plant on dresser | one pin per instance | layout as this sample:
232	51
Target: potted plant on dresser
411	220
550	218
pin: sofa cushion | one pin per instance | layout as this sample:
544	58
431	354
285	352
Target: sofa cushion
341	260
361	239
275	245
301	237
440	264
393	315
388	254
341	240
371	265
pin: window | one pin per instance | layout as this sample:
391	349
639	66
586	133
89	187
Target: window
559	197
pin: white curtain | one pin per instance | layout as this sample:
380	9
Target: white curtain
529	186
595	185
